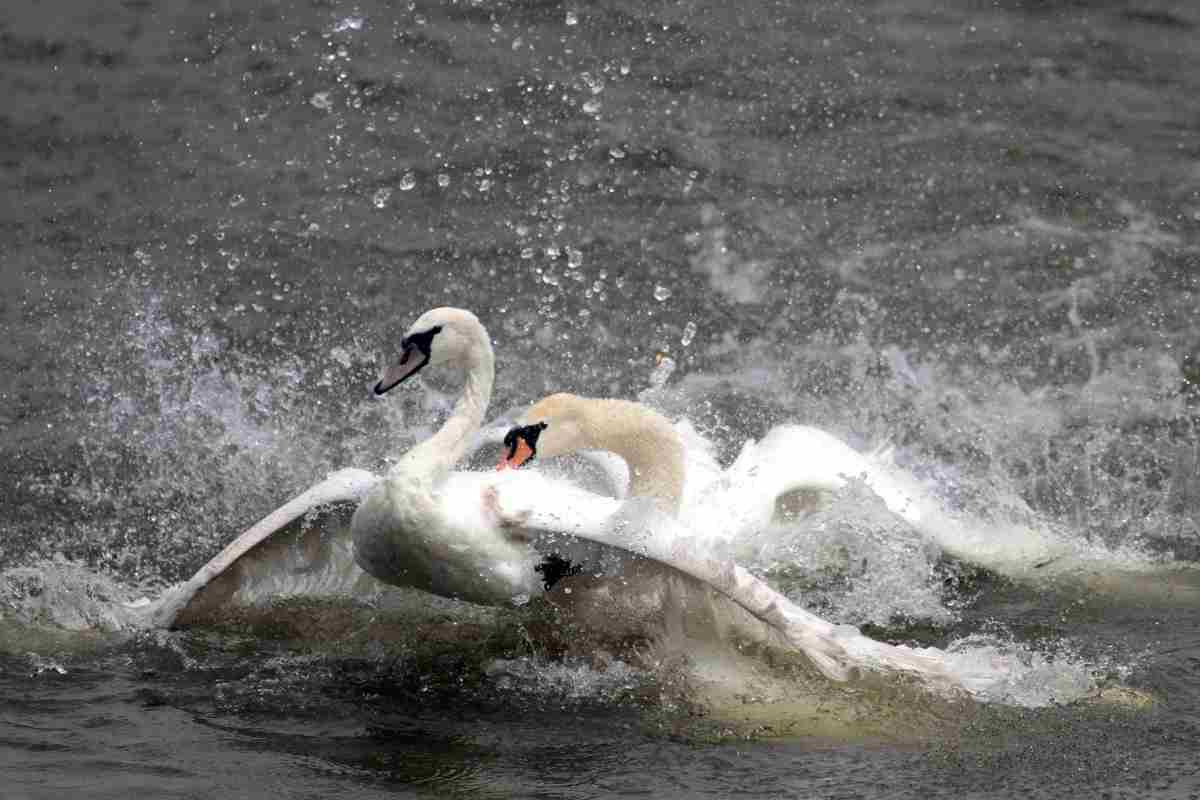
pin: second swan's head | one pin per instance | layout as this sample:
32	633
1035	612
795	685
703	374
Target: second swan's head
553	426
439	336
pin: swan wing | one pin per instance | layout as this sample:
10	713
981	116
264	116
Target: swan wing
836	650
253	552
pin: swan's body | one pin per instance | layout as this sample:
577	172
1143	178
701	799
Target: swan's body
421	526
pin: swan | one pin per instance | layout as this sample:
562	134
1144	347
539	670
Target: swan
726	507
422	525
417	525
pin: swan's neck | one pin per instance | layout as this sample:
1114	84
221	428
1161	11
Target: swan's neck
438	454
648	444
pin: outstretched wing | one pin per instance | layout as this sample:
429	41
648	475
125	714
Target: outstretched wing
265	559
836	650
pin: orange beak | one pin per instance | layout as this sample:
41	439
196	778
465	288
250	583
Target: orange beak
521	453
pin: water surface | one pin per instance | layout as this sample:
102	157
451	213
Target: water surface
971	233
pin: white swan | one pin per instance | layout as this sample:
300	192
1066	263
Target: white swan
724	507
422	525
418	525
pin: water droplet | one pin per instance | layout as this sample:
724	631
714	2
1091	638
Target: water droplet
233	263
616	152
550	279
321	100
527	253
443	180
572	18
574	257
592	106
689	333
407	182
661	293
192	238
349	24
236	201
381	197
520	599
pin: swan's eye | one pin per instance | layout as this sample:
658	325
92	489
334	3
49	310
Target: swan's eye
422	341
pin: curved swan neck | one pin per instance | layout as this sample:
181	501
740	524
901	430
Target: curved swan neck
647	442
439	453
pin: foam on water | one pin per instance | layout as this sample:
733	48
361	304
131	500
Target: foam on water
570	679
64	594
1031	678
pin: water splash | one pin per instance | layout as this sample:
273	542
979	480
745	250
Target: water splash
852	560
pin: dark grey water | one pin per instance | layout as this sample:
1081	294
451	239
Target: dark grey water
970	232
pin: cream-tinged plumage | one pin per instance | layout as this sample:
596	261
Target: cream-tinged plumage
721	505
645	440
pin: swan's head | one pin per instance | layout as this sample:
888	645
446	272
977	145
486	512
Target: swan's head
439	336
553	426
